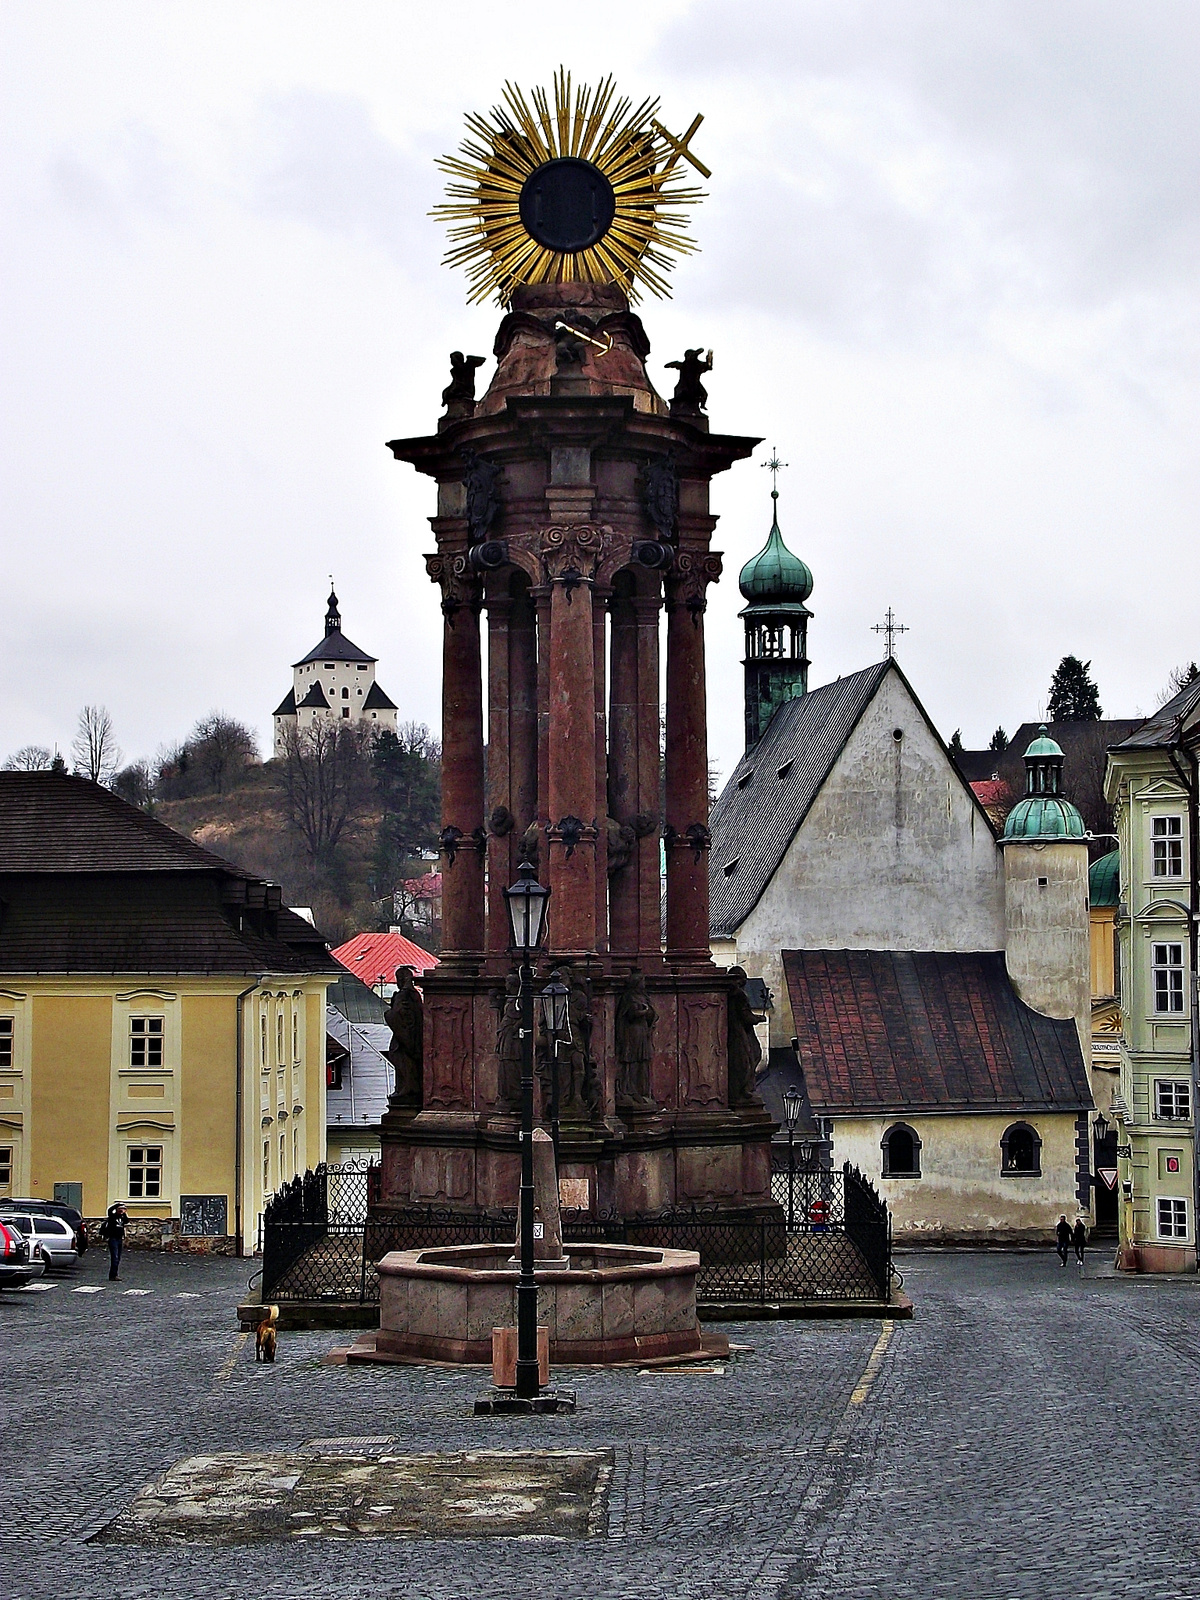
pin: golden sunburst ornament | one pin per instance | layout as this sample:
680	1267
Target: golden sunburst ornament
587	190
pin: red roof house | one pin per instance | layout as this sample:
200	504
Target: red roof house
374	957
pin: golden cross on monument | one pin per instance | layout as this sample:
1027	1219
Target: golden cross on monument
680	146
891	627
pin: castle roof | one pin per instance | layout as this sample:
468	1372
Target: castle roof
376	700
335	647
315	697
287	706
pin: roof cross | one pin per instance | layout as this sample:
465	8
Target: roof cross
891	628
774	466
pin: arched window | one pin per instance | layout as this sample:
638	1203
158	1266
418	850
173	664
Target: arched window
1020	1152
901	1152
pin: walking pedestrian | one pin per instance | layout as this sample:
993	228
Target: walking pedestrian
114	1232
1079	1239
1062	1234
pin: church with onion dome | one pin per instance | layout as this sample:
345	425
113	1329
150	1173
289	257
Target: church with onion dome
926	982
333	683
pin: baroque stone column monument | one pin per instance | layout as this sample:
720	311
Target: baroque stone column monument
572	513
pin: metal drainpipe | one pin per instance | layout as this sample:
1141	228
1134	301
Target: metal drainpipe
1191	782
239	1104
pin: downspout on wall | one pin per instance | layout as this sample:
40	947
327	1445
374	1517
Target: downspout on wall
239	1113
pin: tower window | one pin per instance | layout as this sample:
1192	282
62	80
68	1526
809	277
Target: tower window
345	711
1167	847
345	694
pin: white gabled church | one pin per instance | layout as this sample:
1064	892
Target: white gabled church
930	981
334	681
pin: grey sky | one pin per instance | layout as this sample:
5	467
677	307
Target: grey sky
948	265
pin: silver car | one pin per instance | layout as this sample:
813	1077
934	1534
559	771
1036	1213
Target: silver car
17	1265
49	1237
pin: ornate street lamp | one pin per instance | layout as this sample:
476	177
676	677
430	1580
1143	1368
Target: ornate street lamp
793	1104
1100	1128
526	902
555	1001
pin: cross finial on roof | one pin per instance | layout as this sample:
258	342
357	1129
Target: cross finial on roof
891	628
774	466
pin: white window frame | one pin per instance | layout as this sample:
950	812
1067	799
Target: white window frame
8	1164
146	1029
1168	966
8	1042
1166	847
1172	1099
147	1166
1171	1217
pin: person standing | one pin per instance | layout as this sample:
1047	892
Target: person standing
1062	1234
114	1232
1079	1239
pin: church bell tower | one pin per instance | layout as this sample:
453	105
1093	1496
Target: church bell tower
776	583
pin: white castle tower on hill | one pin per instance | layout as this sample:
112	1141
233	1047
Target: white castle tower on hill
334	681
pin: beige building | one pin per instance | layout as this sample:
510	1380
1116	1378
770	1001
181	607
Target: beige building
333	683
162	1019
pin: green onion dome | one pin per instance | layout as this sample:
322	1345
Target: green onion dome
1104	880
775	574
1044	813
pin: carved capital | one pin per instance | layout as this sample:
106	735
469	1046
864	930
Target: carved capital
689	579
572	831
572	553
457	581
695	837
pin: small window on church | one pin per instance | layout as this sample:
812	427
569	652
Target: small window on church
1020	1152
731	867
746	779
785	769
901	1152
345	694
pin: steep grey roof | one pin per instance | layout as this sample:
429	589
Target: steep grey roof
287	706
334	647
377	701
772	787
354	1000
315	697
367	1078
1168	723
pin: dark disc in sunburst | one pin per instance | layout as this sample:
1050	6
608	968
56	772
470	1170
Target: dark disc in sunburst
567	205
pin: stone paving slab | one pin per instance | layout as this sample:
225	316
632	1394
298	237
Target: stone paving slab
1028	1434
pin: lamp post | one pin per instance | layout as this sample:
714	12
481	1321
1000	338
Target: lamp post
555	1000
525	901
792	1106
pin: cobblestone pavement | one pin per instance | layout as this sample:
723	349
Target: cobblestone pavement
1027	1435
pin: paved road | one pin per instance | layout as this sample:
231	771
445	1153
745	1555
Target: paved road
1027	1435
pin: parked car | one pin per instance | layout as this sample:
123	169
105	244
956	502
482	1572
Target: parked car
52	1208
18	1265
50	1237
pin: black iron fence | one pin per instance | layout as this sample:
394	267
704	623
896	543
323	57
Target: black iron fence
319	1243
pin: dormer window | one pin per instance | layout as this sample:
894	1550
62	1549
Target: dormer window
745	780
785	769
731	867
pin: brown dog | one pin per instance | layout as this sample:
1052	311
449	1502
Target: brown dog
264	1344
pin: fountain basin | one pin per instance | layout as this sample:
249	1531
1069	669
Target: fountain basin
612	1303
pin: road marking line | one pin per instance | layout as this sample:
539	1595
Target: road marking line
862	1389
137	1291
186	1296
226	1372
89	1288
36	1288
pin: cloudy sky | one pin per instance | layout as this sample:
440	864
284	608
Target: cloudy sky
948	266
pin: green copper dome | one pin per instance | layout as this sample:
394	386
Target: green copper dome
1104	880
775	574
1043	746
1044	816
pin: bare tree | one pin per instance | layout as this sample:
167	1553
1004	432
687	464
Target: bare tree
1179	679
135	783
30	758
220	748
94	748
327	783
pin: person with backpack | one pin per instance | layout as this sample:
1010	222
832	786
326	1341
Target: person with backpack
113	1229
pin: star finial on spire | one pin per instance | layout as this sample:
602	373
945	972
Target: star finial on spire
774	466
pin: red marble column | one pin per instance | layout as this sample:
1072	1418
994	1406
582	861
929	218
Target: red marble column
499	782
623	764
462	772
647	609
523	714
572	741
686	827
600	797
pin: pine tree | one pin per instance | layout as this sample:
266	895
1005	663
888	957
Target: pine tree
999	742
956	744
1073	695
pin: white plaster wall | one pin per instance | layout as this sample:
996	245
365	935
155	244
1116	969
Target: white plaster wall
893	855
1048	937
960	1190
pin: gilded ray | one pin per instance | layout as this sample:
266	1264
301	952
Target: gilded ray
639	159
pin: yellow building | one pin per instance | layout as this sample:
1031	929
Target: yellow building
162	1019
